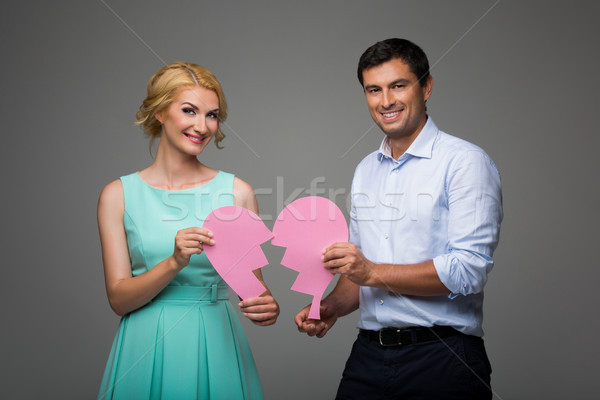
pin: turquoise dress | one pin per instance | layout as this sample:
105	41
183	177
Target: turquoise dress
187	343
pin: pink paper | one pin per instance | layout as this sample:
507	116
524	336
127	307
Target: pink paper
238	234
306	227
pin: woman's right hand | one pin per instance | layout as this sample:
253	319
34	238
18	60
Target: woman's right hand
190	241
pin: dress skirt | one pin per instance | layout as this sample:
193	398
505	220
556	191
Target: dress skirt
187	343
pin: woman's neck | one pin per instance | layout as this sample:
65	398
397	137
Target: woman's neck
173	170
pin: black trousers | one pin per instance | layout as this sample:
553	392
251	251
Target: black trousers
455	367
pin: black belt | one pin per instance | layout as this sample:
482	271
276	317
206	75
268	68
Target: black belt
398	337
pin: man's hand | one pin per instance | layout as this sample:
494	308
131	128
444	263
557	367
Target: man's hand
314	327
346	259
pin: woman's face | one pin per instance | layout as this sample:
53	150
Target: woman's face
191	120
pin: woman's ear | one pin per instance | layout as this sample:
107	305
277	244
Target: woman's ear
159	116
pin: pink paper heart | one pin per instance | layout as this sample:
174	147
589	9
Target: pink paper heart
238	234
307	226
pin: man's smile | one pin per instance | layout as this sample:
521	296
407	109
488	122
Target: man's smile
390	115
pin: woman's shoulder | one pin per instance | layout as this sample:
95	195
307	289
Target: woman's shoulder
112	194
243	194
242	186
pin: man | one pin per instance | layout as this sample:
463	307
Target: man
425	220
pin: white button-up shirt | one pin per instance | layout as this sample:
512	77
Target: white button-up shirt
441	201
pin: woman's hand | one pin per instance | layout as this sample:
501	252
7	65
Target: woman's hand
262	310
190	241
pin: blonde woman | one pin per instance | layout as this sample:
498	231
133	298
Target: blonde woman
179	336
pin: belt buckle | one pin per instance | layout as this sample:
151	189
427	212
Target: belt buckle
396	331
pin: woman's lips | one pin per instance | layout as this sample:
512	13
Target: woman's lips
195	139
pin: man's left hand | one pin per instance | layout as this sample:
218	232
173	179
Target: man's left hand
347	259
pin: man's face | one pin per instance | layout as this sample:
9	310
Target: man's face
395	98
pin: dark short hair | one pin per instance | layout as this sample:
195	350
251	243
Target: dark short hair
389	49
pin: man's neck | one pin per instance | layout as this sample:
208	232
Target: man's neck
399	145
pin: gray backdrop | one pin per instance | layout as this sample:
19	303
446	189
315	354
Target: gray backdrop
517	78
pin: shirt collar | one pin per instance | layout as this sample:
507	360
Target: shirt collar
421	147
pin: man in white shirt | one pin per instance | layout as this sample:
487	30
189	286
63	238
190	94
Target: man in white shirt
425	221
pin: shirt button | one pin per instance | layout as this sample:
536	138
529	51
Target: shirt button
381	302
387	236
396	170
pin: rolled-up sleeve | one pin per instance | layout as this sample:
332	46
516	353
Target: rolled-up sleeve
474	195
353	232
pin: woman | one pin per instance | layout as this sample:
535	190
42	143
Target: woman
179	336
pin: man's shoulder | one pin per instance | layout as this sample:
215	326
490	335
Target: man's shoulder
447	140
453	145
369	162
370	158
367	167
456	152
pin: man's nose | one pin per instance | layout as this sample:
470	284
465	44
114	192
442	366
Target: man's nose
388	99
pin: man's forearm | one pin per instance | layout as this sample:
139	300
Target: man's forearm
344	297
413	279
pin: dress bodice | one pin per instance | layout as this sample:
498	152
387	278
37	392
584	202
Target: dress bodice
153	216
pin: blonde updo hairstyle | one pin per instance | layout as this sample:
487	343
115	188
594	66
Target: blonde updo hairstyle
164	86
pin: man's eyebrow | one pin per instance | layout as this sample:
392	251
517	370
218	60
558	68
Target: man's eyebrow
368	87
403	81
400	80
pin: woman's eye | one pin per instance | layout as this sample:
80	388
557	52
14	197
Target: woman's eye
213	115
189	111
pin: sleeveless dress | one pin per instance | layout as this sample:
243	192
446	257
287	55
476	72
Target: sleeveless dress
187	343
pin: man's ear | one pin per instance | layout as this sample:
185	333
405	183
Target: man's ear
428	87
